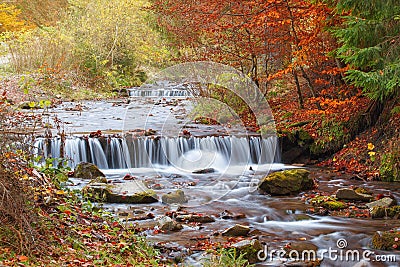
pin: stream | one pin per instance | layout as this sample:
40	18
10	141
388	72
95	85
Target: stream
165	162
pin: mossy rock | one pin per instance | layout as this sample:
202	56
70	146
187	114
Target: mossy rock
86	170
328	203
350	194
133	192
99	180
386	240
249	248
382	212
174	197
286	182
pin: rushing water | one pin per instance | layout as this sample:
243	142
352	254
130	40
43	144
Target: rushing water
138	152
165	163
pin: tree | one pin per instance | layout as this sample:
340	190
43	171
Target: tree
264	39
10	18
370	44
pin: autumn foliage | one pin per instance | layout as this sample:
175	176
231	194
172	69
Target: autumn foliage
267	40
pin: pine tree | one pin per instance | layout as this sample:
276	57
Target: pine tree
370	44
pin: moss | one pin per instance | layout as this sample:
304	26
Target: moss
104	193
249	249
287	182
390	167
381	212
387	240
362	190
87	170
304	136
328	202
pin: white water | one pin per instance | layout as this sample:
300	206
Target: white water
186	154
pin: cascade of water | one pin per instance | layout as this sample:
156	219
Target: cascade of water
159	93
136	152
97	153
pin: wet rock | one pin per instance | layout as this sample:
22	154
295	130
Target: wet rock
303	217
382	212
350	194
250	249
202	171
327	202
176	197
129	192
237	230
286	182
227	215
386	240
195	218
86	170
167	224
300	247
128	177
100	179
385	202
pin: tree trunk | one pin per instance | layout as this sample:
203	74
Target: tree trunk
296	79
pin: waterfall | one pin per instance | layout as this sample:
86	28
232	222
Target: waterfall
159	93
137	152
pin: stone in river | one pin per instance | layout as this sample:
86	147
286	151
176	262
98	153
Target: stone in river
202	171
286	182
176	197
167	224
237	230
385	202
134	192
86	170
250	249
350	194
195	218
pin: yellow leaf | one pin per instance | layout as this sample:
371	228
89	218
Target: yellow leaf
370	146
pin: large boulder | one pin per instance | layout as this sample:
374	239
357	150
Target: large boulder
286	182
86	170
134	192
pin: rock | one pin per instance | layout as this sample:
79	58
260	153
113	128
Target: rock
202	171
195	218
300	247
128	177
327	202
99	180
176	197
130	192
385	202
386	240
167	224
227	215
382	212
237	230
286	182
350	194
87	170
250	249
303	217
306	252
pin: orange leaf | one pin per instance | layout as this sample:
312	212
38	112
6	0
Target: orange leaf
22	258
